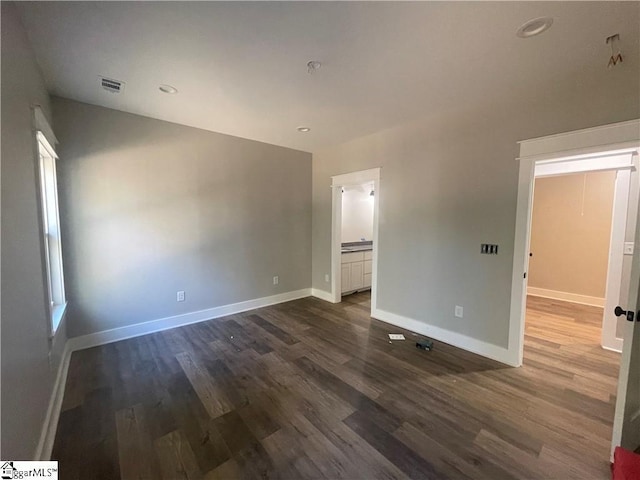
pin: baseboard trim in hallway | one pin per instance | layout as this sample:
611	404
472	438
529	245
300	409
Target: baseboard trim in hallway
566	297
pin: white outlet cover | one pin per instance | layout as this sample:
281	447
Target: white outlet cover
276	280
459	311
396	336
326	277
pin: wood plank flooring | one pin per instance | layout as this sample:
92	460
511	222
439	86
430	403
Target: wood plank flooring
308	389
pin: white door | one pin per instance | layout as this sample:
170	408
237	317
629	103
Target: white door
626	424
617	275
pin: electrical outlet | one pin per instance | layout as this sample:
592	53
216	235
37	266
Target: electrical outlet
326	278
458	311
180	296
276	280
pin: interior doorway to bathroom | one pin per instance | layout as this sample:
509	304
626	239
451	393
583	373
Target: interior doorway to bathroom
354	232
356	257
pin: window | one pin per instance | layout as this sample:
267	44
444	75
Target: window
51	230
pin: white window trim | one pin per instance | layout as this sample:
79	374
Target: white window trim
45	139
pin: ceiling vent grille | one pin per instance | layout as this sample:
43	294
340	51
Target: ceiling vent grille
110	85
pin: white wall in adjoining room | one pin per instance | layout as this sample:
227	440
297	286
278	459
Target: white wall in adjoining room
357	213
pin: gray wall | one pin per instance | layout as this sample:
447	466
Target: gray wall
448	184
150	207
27	376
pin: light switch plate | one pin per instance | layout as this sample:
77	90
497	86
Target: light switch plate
628	248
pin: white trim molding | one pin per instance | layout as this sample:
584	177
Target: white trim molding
131	331
485	349
610	137
50	425
322	295
42	125
566	296
355	178
618	160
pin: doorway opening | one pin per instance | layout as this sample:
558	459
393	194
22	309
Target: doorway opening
354	234
356	238
618	166
571	231
612	148
569	326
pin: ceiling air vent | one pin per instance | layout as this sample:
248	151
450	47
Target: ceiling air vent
110	85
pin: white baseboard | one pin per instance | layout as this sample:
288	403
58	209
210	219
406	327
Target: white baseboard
108	336
566	296
50	426
459	340
322	295
617	347
122	333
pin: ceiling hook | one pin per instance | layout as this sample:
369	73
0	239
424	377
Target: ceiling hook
312	66
616	56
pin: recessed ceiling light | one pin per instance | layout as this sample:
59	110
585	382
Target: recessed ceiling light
534	27
168	89
304	129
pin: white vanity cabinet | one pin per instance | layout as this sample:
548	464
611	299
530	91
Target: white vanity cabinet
356	271
368	262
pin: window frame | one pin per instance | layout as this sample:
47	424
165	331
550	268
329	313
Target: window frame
50	227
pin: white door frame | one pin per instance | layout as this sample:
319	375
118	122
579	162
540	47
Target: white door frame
585	148
337	183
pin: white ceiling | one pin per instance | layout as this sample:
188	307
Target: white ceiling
240	68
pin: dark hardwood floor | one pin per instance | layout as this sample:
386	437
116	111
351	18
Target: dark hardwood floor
308	389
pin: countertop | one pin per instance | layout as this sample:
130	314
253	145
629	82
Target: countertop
357	247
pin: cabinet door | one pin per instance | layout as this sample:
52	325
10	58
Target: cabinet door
367	280
346	277
357	275
368	266
352	257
